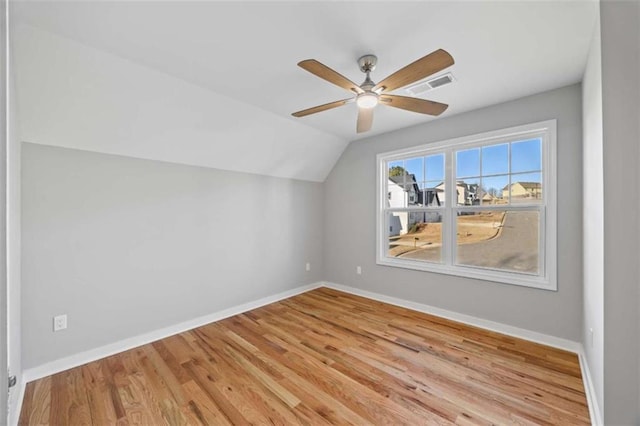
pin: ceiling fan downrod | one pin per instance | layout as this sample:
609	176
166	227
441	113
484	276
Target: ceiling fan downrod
367	63
368	99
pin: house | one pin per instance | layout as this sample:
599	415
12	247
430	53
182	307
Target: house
178	248
467	193
488	198
526	190
430	197
405	192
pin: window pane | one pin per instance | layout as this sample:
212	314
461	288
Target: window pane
493	190
467	192
468	163
415	168
495	159
435	167
402	188
526	156
415	235
506	240
526	188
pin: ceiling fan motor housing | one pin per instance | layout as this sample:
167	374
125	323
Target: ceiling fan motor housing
367	63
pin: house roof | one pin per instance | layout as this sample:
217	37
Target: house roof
526	185
458	183
400	180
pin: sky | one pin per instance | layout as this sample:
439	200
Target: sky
487	165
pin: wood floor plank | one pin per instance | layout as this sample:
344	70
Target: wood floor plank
171	361
69	403
137	395
37	402
204	409
27	402
322	357
100	395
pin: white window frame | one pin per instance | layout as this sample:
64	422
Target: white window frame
547	250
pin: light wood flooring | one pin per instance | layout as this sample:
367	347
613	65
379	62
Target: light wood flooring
323	357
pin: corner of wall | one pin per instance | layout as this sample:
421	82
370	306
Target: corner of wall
14	159
3	212
593	221
595	411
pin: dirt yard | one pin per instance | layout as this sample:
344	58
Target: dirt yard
471	229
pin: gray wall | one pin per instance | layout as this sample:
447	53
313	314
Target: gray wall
13	244
620	23
350	222
3	216
593	218
127	246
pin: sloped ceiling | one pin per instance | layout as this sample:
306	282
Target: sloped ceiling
214	83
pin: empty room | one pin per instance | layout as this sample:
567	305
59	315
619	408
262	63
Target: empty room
320	212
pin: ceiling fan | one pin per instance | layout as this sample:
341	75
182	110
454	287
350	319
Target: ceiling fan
370	94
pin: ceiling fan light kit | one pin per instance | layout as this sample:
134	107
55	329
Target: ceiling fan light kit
367	100
370	94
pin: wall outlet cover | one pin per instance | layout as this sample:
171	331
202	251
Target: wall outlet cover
59	322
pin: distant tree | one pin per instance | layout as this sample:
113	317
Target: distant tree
494	192
397	171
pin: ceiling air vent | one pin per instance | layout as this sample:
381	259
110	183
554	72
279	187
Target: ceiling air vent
433	83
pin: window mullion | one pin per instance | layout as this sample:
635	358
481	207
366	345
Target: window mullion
509	173
542	240
479	187
450	226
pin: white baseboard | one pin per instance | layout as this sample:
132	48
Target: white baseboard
545	339
15	404
590	390
81	358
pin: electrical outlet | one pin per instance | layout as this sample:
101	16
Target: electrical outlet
59	322
308	266
358	270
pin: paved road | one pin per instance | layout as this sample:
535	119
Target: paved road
515	249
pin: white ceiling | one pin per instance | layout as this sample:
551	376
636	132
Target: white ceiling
248	50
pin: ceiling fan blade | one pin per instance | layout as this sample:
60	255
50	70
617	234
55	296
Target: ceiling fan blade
326	73
423	67
321	108
422	106
365	119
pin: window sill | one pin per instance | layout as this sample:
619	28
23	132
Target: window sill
542	283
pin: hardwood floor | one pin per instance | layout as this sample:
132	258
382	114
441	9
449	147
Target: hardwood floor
323	357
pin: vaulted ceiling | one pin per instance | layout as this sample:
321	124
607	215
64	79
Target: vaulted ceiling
244	55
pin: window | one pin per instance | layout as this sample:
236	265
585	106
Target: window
481	206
